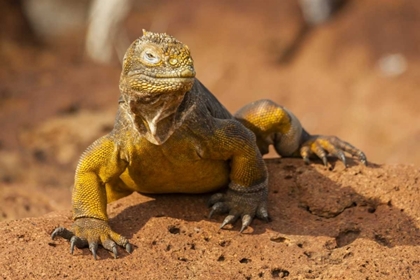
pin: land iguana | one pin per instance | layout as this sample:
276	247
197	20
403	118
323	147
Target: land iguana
171	135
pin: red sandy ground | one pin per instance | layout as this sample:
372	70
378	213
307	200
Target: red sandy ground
359	223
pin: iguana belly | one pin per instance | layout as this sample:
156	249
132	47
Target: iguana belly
164	176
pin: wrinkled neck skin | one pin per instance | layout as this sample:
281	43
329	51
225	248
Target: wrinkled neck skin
155	116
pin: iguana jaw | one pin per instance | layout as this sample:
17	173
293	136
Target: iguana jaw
145	87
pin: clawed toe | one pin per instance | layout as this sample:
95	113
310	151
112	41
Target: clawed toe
230	219
262	214
321	146
78	242
111	246
128	248
246	221
245	205
93	247
215	198
62	232
362	158
218	208
94	233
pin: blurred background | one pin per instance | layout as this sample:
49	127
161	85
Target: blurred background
346	68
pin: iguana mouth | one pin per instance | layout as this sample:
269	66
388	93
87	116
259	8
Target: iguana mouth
187	73
149	87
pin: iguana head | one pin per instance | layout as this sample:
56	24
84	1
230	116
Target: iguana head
157	72
157	63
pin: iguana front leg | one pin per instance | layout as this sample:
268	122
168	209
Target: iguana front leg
96	183
248	188
275	125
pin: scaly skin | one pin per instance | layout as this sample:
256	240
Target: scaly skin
171	135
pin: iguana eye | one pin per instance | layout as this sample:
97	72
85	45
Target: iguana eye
150	57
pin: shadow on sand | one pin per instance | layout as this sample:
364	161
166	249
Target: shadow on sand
304	200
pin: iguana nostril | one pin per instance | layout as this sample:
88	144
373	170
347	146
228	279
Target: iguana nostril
188	73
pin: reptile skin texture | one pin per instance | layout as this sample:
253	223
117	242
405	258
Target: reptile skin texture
171	135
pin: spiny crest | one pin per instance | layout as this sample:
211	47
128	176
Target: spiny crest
158	38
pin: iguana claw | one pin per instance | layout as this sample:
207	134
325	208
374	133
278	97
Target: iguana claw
321	146
218	208
78	242
230	219
63	232
240	202
88	232
93	247
246	221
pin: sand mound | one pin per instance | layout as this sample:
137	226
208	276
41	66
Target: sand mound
357	223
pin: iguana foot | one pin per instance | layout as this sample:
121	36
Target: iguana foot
89	232
240	202
322	146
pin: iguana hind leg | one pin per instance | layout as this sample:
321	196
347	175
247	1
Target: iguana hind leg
274	125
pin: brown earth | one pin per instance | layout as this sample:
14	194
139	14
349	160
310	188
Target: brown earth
358	223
